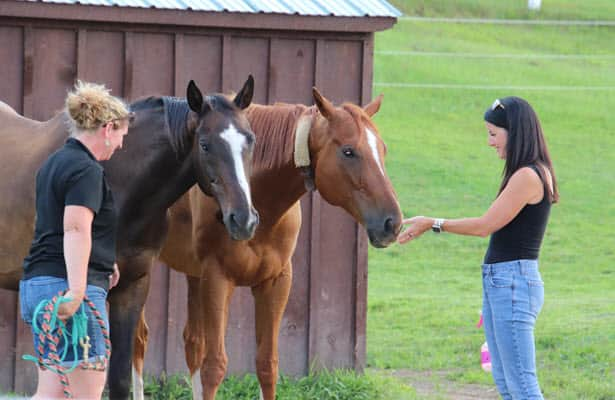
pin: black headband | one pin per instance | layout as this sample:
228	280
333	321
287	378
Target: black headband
496	114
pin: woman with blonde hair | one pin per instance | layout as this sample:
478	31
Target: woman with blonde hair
73	250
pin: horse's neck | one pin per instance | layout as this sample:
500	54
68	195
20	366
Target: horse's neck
155	170
279	184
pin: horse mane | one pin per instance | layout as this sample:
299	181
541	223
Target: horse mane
274	127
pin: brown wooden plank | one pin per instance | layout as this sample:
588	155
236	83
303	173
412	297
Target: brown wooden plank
177	316
28	71
152	65
367	70
360	309
249	56
11	67
240	338
8	331
129	46
360	327
54	69
291	70
332	285
313	338
202	63
227	50
101	59
294	330
156	315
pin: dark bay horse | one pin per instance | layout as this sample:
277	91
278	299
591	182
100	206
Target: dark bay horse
172	145
341	153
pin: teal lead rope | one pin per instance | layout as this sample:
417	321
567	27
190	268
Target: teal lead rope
53	330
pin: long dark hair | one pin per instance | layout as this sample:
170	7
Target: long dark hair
526	144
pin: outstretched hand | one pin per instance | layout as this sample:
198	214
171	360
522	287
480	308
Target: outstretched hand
417	226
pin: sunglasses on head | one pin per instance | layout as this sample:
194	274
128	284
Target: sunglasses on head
497	103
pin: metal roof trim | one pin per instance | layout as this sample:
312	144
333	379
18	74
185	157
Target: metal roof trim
342	8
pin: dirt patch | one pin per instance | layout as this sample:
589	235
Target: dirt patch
435	385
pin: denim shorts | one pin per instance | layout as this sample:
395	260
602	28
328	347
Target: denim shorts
39	288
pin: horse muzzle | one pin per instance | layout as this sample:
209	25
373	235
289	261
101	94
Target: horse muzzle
241	225
383	231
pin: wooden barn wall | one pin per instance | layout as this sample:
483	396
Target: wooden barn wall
324	324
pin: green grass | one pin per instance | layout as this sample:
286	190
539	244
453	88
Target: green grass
337	385
424	297
509	9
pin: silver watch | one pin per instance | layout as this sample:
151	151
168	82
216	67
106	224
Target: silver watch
437	225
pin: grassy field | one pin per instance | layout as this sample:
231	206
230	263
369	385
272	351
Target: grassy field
424	297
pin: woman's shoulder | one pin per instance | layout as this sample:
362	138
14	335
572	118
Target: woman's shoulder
528	173
528	180
536	178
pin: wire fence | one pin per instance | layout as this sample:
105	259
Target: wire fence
508	21
511	56
491	87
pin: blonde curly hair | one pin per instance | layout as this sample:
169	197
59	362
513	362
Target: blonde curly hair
91	105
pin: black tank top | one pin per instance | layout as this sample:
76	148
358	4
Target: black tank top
520	239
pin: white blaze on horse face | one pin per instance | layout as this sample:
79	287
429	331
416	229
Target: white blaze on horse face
237	142
373	144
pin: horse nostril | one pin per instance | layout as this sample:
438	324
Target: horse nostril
389	226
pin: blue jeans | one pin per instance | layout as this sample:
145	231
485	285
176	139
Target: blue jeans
34	290
513	294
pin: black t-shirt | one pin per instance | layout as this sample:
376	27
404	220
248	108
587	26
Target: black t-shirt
521	238
72	176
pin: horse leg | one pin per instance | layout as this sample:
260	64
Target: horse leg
270	298
126	302
215	291
194	336
138	357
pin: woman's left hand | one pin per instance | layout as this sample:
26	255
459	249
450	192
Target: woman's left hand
114	278
417	226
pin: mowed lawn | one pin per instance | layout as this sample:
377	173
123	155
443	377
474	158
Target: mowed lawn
425	297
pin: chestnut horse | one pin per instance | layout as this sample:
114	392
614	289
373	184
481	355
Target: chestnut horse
171	145
338	151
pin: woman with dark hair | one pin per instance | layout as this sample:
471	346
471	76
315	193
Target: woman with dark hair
516	221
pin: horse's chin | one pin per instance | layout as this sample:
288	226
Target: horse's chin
380	243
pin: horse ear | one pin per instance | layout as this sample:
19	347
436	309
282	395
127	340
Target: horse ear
244	97
194	96
373	107
325	106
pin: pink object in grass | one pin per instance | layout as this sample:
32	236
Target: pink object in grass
485	357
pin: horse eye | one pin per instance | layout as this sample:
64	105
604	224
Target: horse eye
348	152
205	147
